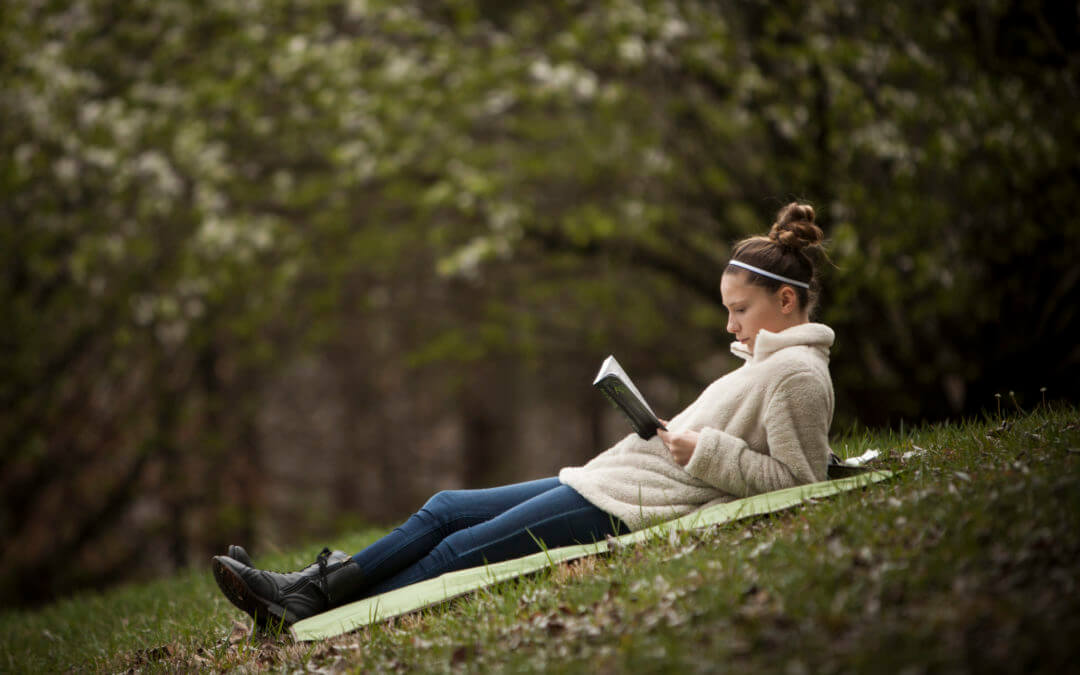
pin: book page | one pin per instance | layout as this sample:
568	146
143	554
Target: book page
612	367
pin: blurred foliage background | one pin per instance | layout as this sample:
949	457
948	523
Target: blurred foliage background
272	269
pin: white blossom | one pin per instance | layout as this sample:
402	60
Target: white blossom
66	169
632	50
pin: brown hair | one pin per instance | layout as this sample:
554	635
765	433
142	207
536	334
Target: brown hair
791	249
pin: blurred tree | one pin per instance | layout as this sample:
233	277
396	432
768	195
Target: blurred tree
917	137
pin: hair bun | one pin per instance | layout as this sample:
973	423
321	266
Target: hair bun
794	227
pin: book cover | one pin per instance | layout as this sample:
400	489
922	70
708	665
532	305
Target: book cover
616	385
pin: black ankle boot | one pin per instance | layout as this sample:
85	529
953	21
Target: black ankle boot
240	555
274	599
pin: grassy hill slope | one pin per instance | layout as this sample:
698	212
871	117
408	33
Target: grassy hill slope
968	560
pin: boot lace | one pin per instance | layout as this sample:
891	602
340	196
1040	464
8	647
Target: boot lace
322	559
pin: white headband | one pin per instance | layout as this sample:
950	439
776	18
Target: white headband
765	273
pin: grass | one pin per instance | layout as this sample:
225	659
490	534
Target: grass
967	561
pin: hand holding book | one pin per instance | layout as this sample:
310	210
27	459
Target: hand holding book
680	444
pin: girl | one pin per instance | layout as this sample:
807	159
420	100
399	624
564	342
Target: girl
761	427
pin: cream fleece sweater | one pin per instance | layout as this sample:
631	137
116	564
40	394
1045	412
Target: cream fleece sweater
763	426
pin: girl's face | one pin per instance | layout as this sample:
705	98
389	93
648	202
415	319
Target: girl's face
752	308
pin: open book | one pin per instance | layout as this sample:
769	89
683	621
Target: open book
613	381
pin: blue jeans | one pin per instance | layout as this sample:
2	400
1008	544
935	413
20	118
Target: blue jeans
457	529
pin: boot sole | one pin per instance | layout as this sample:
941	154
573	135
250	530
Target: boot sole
264	612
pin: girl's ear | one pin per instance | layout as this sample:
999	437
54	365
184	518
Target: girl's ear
789	300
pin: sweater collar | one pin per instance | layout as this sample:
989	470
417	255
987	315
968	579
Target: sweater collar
815	335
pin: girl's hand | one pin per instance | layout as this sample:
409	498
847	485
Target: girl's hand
680	444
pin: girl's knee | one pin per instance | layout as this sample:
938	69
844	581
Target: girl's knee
442	503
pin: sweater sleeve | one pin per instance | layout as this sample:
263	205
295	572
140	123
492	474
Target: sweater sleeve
797	433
